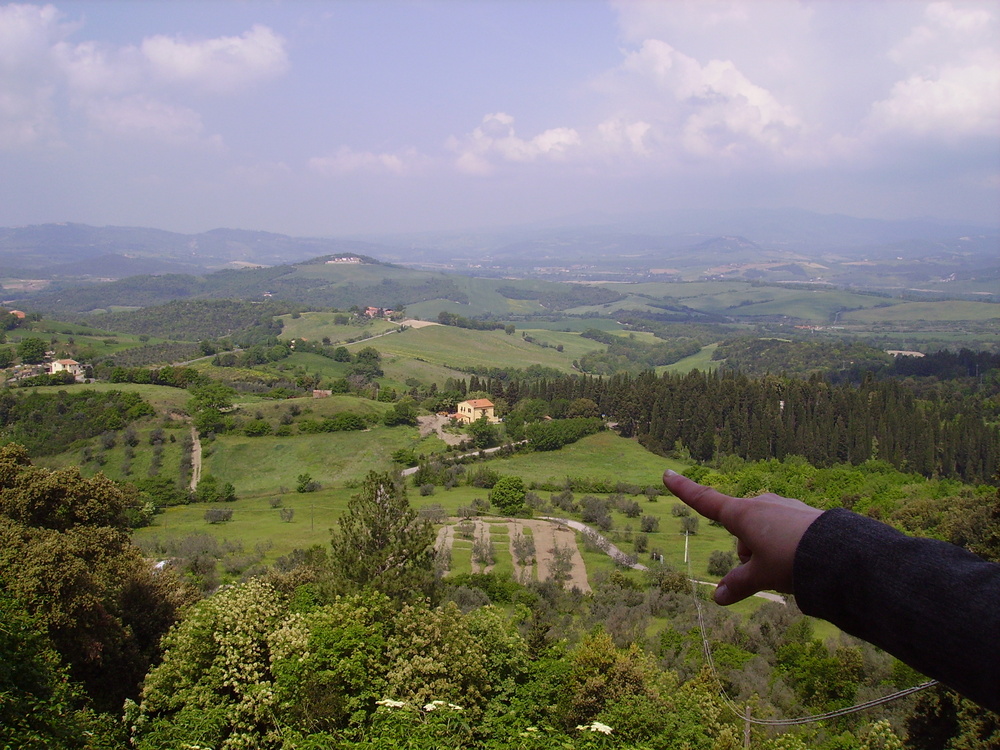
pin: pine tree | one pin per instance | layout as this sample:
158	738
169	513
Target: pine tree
381	543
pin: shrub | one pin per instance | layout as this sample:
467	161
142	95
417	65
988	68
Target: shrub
564	501
720	563
257	428
484	477
649	524
434	513
630	508
524	548
218	515
508	494
305	483
482	551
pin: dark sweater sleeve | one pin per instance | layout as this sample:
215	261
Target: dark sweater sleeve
931	604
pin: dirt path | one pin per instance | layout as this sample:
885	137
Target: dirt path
548	538
437	423
195	459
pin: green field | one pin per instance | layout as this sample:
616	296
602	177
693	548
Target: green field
701	361
263	465
314	326
941	311
605	455
448	346
255	522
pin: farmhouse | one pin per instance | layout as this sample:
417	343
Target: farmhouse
66	365
473	409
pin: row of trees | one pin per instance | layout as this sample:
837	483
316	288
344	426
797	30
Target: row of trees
940	432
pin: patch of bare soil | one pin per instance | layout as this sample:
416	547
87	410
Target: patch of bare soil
417	323
548	537
437	423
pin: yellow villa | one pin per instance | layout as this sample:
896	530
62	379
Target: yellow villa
473	409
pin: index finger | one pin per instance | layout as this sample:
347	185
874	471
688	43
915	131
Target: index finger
708	502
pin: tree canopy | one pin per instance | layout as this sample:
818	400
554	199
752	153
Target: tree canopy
66	555
380	542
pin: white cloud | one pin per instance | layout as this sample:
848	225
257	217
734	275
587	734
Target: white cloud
495	138
955	102
622	135
347	161
952	89
27	35
948	30
706	110
90	69
45	79
221	64
149	119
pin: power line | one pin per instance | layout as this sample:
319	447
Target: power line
745	715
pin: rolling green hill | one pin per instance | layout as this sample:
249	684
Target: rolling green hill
461	349
939	311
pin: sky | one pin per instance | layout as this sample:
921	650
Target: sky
390	116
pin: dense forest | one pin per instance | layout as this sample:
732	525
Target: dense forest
943	432
196	320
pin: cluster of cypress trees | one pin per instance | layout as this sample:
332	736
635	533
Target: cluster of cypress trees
713	414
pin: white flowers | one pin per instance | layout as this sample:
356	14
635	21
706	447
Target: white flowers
595	726
432	706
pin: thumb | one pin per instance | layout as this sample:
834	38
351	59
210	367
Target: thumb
737	584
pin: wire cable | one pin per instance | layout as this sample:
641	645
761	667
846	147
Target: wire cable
731	704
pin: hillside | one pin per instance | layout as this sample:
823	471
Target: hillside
81	251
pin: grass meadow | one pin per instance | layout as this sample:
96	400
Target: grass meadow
314	326
700	361
448	346
940	311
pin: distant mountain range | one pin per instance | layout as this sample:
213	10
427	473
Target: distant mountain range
78	250
768	246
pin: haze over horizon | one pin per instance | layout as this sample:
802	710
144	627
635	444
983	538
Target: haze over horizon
327	119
